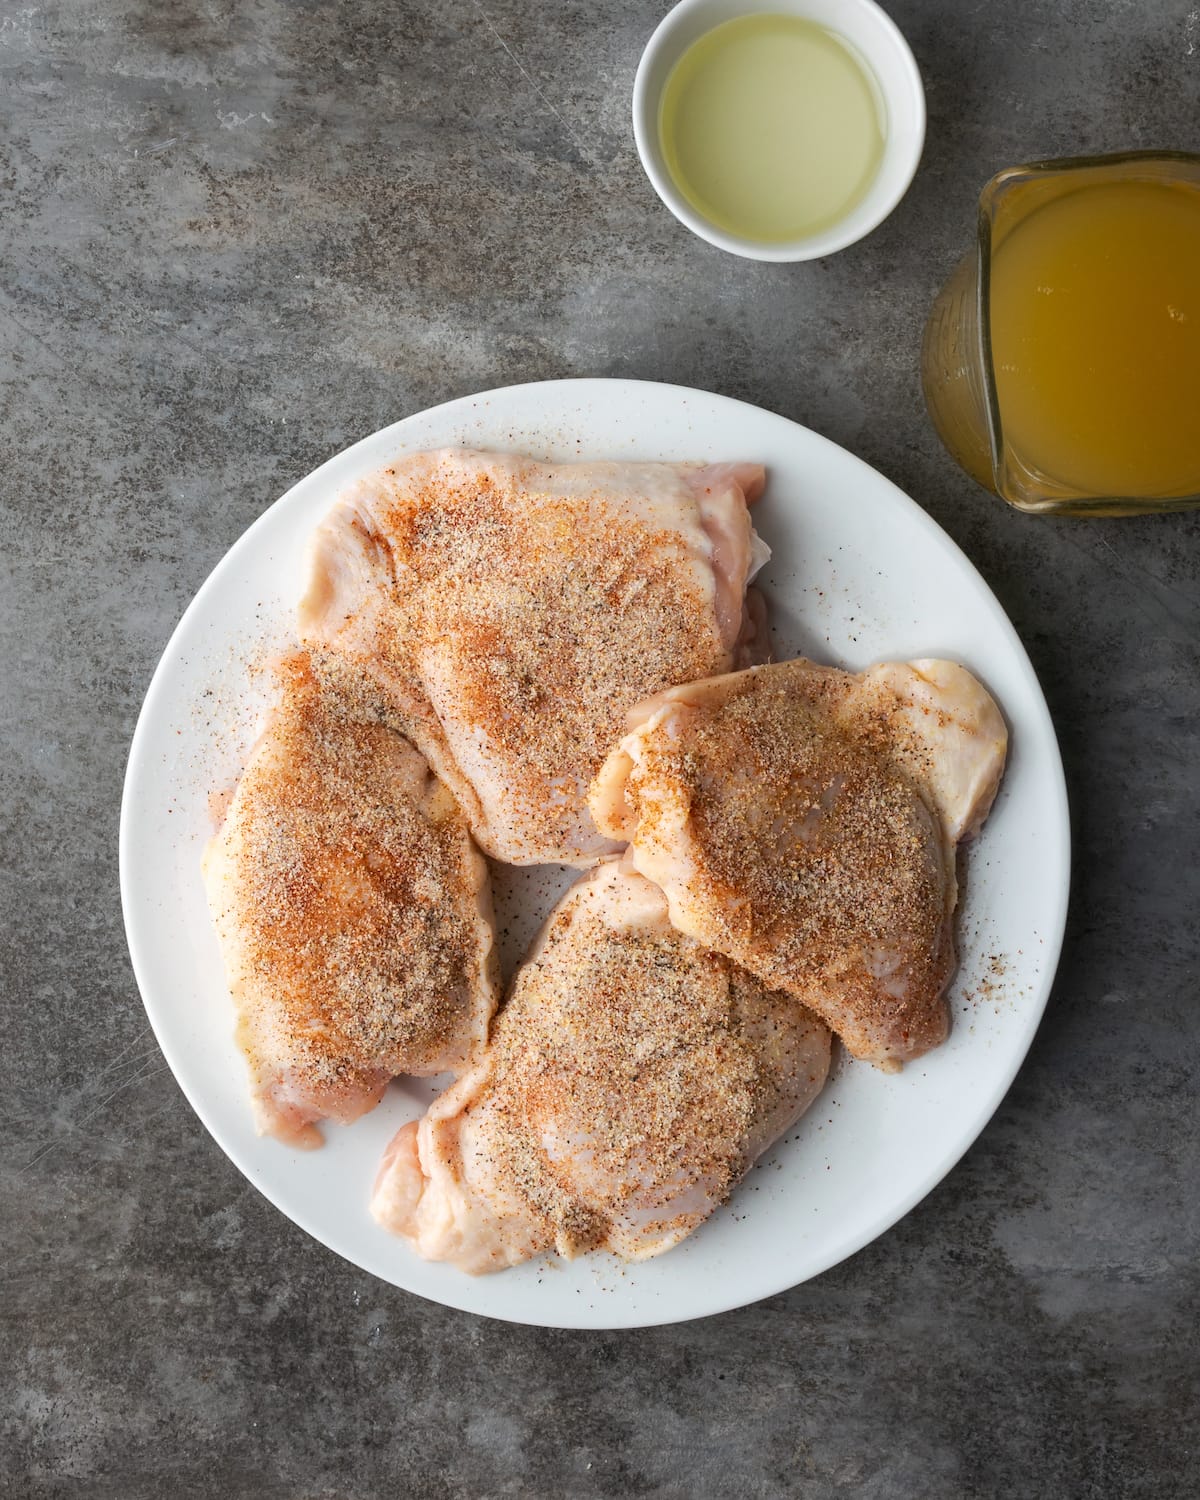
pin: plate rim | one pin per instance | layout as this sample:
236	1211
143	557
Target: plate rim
1000	1084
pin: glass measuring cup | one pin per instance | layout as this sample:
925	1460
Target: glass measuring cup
959	364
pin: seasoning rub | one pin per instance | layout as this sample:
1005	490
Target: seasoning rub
631	1080
353	910
804	822
513	610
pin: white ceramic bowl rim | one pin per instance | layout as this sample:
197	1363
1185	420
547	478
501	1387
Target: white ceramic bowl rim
872	35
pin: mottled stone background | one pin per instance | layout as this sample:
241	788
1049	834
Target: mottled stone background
233	238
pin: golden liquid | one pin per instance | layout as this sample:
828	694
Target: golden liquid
1095	323
770	127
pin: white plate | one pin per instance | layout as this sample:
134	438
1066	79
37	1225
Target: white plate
859	573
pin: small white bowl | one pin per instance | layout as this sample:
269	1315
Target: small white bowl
878	42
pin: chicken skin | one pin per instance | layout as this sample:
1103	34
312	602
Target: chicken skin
353	910
513	611
631	1080
804	821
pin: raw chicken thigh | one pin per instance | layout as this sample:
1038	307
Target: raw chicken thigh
803	821
513	611
631	1079
353	910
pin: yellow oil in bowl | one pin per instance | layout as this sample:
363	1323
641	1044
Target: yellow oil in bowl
771	127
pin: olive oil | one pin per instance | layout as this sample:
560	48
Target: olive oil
771	127
1095	329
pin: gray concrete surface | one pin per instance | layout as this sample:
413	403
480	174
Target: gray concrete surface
236	236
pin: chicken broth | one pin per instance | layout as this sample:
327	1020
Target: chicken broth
1095	329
